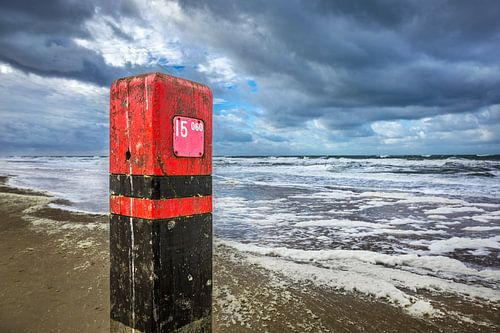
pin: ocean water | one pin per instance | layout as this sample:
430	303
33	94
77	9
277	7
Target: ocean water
386	227
388	205
83	181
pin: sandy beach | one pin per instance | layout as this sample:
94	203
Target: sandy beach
53	268
54	277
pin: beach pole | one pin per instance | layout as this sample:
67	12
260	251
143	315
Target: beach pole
161	205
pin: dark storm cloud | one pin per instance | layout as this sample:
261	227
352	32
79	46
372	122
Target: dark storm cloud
337	66
340	54
38	37
63	18
349	63
57	17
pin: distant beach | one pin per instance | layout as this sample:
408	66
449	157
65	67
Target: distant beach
302	244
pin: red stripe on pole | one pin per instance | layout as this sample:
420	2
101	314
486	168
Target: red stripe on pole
159	209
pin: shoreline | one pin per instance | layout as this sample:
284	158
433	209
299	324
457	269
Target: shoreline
53	267
306	306
54	276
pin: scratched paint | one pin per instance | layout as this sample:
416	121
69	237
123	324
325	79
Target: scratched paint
154	101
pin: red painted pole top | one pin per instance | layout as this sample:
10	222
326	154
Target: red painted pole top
160	125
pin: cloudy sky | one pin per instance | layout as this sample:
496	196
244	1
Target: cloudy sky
288	77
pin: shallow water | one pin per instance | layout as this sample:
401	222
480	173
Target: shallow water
430	221
414	204
387	205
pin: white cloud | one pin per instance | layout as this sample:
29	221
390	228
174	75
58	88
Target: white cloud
452	130
6	69
218	101
390	129
140	45
218	70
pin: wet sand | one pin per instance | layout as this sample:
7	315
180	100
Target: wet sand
54	277
53	267
251	299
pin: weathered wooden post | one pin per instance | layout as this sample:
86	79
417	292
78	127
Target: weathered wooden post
161	204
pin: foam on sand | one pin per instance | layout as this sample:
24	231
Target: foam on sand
403	221
336	223
454	243
453	210
407	198
481	228
487	217
383	276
